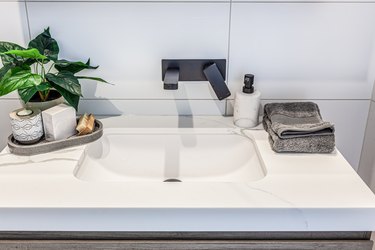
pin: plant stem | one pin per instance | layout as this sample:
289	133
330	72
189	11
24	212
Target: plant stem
53	64
46	95
40	67
41	96
43	70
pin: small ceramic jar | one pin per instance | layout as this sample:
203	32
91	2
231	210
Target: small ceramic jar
27	126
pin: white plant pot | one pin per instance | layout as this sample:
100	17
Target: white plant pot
27	128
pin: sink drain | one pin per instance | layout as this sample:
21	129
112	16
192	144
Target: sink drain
172	180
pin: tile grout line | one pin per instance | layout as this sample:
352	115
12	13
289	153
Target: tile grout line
133	1
207	99
196	99
304	2
228	55
28	20
203	1
316	99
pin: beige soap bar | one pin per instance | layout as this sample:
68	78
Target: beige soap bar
59	122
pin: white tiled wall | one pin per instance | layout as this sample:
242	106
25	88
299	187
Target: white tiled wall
129	40
302	51
322	51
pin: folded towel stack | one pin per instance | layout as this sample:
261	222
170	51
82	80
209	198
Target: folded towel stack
298	127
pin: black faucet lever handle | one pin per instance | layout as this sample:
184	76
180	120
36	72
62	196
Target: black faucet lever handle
217	81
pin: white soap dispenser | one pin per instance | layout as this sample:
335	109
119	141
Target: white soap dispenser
247	104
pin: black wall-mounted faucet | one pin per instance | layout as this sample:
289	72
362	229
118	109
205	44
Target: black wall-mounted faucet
196	70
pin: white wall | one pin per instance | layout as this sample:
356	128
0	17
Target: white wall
298	51
367	163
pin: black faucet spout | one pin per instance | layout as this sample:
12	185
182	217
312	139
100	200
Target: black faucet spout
217	81
171	78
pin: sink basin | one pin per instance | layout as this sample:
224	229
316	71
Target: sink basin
187	155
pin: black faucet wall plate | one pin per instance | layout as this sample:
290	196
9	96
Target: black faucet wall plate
192	69
212	70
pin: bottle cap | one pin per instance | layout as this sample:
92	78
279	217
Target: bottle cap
248	84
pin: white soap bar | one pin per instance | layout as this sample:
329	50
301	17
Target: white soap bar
59	122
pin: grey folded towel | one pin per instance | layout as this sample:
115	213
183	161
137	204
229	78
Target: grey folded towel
298	127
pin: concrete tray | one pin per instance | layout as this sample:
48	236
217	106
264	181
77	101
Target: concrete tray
44	146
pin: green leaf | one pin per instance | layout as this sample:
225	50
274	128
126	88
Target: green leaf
43	86
4	70
72	99
67	81
18	78
29	53
46	45
27	93
29	62
6	46
92	78
74	67
10	59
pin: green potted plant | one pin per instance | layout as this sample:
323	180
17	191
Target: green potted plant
40	77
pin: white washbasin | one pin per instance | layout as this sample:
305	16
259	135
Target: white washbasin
188	155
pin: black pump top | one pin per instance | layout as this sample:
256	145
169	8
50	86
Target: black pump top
248	81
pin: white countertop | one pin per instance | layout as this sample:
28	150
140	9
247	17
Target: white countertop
301	192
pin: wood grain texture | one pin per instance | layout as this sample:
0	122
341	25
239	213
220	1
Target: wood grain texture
184	245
